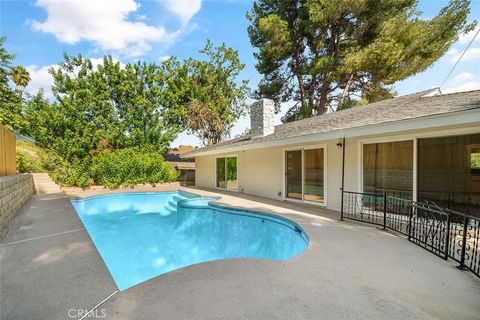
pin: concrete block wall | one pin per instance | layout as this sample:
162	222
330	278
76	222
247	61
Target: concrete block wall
15	191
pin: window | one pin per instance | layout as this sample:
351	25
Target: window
227	173
304	175
388	167
449	172
475	160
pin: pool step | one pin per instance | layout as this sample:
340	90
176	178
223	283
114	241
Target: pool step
170	210
172	204
178	198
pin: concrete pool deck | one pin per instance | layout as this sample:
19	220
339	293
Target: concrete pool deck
50	269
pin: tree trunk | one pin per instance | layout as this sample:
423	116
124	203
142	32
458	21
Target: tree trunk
322	105
301	87
346	90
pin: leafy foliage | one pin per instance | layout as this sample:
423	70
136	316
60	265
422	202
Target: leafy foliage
118	105
30	158
206	96
25	164
131	166
20	76
10	101
322	53
110	123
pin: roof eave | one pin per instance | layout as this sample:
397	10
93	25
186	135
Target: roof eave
389	127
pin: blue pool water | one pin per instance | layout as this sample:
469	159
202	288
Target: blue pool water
143	235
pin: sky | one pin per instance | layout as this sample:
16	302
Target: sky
39	32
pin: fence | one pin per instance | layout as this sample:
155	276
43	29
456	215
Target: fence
7	152
444	232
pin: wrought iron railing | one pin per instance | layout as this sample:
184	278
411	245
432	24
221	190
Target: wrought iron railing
444	232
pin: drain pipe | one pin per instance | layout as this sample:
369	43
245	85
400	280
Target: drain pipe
343	177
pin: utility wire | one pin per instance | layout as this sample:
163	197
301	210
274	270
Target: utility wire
460	58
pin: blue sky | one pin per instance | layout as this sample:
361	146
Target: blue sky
38	32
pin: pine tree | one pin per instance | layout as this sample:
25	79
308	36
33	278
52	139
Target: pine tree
324	53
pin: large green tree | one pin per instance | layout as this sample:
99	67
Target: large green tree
323	53
207	95
10	101
108	106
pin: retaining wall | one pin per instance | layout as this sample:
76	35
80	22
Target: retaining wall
15	191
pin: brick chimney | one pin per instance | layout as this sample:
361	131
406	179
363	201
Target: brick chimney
261	117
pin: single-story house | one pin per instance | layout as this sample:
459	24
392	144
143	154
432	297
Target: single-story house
422	146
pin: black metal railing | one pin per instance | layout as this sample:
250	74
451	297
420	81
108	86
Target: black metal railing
444	232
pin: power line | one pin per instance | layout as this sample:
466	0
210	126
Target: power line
460	58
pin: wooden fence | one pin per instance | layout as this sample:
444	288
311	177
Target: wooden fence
7	152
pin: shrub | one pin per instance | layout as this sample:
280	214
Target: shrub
131	166
76	174
24	163
29	157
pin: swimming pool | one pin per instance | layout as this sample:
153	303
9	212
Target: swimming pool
143	235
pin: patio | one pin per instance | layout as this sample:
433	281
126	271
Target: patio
51	269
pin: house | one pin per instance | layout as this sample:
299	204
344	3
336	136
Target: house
422	146
186	166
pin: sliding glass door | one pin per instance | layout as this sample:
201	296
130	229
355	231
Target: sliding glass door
313	190
304	175
221	173
226	169
293	169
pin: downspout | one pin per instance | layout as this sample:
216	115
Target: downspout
343	177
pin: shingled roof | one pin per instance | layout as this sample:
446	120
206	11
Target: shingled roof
421	104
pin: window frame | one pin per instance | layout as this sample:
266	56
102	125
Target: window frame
226	167
404	137
474	171
388	140
325	174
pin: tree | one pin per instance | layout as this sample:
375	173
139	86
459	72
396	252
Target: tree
207	94
10	102
108	105
20	77
323	53
5	61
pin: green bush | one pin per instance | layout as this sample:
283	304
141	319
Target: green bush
24	163
131	166
28	161
76	174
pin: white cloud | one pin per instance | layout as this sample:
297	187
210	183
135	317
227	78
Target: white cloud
466	38
163	58
464	76
107	24
471	54
184	9
465	86
41	78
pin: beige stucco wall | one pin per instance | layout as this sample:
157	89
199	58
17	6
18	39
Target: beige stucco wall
260	171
